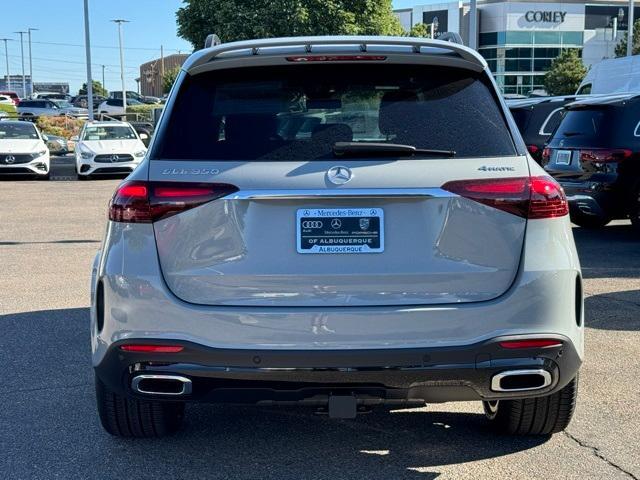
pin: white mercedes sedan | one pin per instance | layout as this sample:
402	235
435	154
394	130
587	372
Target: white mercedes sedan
107	148
23	150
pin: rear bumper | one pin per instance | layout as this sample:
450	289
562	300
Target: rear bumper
593	199
381	376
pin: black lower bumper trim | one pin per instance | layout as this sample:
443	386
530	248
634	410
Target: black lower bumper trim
373	376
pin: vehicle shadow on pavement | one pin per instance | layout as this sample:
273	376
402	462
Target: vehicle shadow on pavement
50	427
613	311
609	252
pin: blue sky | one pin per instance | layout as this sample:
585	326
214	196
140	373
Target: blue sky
58	45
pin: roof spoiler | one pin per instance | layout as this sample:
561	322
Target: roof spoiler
451	37
212	40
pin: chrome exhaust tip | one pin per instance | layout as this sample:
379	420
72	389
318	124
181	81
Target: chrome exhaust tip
169	385
521	380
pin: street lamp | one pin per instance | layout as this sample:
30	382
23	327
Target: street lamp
29	30
6	56
120	21
24	82
87	45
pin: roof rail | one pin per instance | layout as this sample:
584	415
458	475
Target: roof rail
451	37
212	40
452	42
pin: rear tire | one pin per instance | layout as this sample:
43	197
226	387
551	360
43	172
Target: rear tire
590	221
127	417
534	416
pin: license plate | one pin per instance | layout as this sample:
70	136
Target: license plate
340	230
563	157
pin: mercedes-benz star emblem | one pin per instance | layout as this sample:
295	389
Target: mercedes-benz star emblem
115	158
9	159
339	175
336	223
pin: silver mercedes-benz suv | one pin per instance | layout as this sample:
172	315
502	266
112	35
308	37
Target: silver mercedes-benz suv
342	223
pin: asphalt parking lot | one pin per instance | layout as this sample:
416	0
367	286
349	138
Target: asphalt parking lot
49	232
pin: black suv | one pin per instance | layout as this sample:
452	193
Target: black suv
537	118
595	154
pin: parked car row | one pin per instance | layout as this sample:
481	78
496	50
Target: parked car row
100	148
591	146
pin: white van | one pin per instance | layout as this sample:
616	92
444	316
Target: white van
614	75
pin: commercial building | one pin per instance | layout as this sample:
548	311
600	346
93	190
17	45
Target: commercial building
519	39
151	73
14	84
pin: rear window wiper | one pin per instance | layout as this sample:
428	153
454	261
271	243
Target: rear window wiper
571	134
379	149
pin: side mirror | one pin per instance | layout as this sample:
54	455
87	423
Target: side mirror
74	138
45	138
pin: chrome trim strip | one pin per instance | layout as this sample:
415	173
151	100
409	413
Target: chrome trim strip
497	378
186	384
340	193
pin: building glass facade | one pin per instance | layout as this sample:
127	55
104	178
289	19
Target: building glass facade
520	38
519	59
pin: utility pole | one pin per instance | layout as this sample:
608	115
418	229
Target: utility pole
24	81
120	21
103	84
6	56
161	72
29	30
87	44
630	30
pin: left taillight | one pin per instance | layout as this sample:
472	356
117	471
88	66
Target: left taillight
533	198
147	202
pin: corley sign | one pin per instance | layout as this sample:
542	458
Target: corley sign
541	16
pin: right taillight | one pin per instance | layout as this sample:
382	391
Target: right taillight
147	202
527	197
546	155
605	156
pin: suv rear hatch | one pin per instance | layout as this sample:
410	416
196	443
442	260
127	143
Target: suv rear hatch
294	151
589	143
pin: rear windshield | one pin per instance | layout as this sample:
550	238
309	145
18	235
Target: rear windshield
299	112
521	117
586	127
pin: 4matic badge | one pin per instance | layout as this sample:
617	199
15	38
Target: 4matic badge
484	168
190	171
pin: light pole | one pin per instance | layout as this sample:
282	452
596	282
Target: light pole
24	81
473	23
29	30
630	30
6	56
120	21
87	44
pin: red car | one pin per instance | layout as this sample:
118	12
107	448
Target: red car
13	96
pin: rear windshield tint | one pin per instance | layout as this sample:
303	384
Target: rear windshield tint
586	127
299	112
521	117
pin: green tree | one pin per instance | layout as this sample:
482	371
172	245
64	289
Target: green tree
420	30
621	47
241	20
565	74
169	78
98	89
